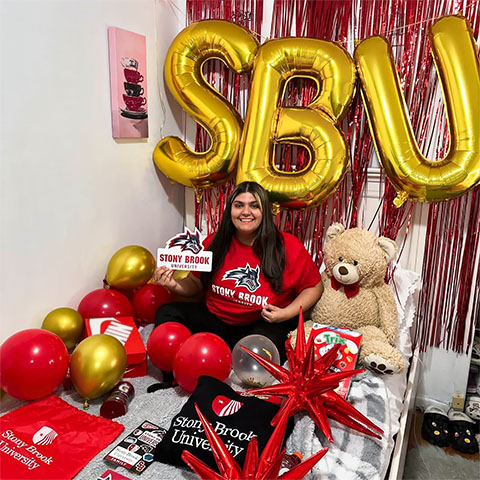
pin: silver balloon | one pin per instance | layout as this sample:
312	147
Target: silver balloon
247	369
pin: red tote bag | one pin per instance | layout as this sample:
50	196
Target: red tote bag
51	439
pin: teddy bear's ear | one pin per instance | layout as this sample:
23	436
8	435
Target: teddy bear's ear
389	248
334	230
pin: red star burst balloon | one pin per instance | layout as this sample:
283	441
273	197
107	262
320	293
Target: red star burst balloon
309	385
254	468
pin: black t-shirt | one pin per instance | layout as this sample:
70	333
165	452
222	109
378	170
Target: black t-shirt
235	418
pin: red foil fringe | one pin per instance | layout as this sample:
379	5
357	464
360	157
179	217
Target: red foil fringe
450	294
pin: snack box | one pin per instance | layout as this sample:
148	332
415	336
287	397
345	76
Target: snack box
325	337
125	331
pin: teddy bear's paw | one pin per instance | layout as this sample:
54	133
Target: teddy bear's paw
378	364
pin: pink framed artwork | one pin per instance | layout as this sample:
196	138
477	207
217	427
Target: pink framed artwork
128	83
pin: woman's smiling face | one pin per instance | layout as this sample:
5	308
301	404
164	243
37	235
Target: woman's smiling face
246	215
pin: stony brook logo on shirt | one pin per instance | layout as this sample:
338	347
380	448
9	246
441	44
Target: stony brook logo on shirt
44	436
244	277
224	406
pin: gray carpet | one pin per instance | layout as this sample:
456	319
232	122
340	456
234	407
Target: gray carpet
427	462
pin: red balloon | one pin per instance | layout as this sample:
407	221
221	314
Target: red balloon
33	363
147	299
201	354
164	342
105	302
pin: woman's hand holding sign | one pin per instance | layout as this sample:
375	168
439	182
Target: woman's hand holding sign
186	287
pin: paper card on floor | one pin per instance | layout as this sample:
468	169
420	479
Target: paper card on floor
111	475
135	451
185	251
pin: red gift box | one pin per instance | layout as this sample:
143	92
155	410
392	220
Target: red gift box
126	332
324	339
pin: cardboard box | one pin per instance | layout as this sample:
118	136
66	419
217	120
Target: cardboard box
324	339
125	331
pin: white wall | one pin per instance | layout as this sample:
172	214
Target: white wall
70	194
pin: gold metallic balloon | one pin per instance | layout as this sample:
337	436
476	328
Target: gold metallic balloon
96	365
130	267
65	322
193	46
313	126
414	176
179	274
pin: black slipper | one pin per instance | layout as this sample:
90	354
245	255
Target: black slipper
462	431
436	426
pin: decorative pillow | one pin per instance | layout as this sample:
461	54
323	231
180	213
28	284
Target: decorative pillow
237	419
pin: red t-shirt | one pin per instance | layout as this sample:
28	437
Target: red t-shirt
239	290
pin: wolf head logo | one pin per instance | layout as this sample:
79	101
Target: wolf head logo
44	436
244	277
187	241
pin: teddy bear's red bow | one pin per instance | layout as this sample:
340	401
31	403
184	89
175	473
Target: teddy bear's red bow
350	290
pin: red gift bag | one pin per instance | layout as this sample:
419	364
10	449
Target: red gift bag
51	439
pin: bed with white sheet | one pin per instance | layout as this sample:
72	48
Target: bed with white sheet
386	400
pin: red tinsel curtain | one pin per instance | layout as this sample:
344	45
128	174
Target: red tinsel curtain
249	14
450	295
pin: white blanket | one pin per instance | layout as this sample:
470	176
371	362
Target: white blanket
352	455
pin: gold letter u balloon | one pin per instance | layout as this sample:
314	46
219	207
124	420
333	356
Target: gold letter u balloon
413	176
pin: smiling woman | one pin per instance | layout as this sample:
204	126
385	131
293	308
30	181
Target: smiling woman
259	280
246	217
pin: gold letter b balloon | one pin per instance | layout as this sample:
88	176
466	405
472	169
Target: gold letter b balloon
313	126
96	365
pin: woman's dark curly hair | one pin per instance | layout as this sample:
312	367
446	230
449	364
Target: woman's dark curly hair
267	246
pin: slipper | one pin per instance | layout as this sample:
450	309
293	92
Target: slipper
472	407
462	432
436	426
476	351
472	383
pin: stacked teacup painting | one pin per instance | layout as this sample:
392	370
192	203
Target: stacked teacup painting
133	97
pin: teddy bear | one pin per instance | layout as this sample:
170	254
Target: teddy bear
356	296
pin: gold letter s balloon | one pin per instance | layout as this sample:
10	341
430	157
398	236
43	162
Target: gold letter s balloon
96	365
333	70
130	267
413	176
183	73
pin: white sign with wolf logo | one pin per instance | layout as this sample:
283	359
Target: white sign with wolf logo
185	251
